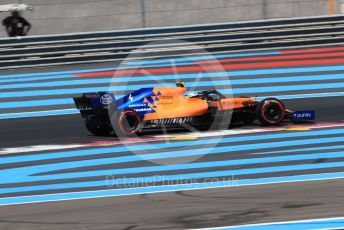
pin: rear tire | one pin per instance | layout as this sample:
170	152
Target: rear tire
271	112
97	127
128	123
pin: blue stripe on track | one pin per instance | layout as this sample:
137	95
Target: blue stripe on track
22	174
27	79
177	177
39	113
174	167
69	101
38	76
157	79
164	188
299	96
252	90
33	103
328	223
19	75
89	89
304	149
287	88
42	76
152	146
286	70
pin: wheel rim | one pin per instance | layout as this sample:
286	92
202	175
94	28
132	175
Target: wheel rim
273	112
129	122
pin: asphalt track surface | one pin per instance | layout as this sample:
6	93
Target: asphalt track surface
51	169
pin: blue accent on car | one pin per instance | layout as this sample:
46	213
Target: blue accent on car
136	101
304	115
102	99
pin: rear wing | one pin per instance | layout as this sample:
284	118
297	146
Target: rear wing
93	102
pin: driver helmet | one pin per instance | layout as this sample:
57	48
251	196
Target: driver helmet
193	94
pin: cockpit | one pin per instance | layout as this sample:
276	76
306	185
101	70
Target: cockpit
209	95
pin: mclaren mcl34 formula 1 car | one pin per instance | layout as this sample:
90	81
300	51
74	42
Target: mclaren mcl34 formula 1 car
171	107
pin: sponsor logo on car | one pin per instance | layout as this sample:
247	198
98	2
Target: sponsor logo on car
143	109
304	115
182	120
106	99
137	105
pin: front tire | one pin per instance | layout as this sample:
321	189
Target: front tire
271	112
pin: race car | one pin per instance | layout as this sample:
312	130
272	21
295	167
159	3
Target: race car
172	107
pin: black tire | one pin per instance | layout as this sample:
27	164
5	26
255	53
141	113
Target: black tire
271	112
128	123
97	127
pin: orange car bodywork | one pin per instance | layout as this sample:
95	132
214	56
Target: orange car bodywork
172	103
